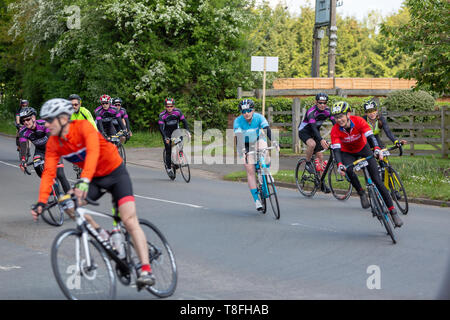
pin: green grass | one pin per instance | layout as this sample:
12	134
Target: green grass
7	126
423	176
145	139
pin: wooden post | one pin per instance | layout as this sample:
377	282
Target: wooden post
264	86
239	92
295	123
411	134
269	116
444	143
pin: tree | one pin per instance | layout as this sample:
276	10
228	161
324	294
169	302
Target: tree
425	38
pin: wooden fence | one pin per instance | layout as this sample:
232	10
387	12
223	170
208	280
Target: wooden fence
431	128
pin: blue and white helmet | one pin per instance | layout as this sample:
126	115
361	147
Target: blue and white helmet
55	107
246	104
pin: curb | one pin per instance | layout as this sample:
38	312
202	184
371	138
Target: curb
430	202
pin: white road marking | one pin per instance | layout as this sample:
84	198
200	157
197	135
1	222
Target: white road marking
9	164
5	268
312	227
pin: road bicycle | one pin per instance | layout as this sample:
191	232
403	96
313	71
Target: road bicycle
178	160
118	140
265	182
392	179
54	211
377	204
309	180
86	265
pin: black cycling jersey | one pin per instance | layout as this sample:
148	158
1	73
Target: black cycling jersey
105	119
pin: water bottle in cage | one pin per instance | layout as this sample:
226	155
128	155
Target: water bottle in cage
118	243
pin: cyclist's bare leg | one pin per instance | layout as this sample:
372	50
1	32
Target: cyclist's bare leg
310	146
319	155
129	218
261	144
251	176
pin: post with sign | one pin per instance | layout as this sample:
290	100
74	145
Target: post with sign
264	64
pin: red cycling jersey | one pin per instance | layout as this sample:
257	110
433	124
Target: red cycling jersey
84	146
351	141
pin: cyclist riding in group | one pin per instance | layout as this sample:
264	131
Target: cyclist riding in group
169	121
105	114
247	128
350	139
35	131
117	102
23	104
80	113
309	133
377	122
78	142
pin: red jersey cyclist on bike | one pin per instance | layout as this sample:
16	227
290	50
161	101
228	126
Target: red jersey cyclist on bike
248	128
350	139
78	142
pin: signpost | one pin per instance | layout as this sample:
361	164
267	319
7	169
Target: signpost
265	64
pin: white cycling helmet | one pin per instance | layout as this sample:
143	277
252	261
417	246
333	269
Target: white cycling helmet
54	107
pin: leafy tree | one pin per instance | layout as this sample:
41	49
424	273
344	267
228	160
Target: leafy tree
425	38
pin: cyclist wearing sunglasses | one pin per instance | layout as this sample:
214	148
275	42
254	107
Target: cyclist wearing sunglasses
103	169
352	139
80	113
169	121
117	102
248	128
23	104
35	131
377	123
105	114
309	133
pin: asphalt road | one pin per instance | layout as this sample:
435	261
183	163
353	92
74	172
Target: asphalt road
319	249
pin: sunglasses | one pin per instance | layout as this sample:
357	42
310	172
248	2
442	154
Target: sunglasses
118	104
321	102
247	111
75	104
105	102
49	119
26	120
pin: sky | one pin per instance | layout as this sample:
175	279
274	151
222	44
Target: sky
356	8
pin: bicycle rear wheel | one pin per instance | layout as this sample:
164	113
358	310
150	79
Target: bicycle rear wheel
184	166
122	153
273	196
340	187
76	280
397	190
162	261
381	211
306	181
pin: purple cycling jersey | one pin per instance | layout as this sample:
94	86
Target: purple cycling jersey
169	122
38	136
106	115
316	116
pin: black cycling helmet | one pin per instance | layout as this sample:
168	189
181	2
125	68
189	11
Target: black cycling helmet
246	104
25	113
370	106
169	102
74	96
322	97
115	100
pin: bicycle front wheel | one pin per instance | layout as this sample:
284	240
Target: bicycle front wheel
54	214
184	166
340	187
381	211
306	180
273	196
397	190
122	152
77	279
162	261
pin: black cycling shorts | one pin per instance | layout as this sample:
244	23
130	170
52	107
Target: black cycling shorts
117	183
305	135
